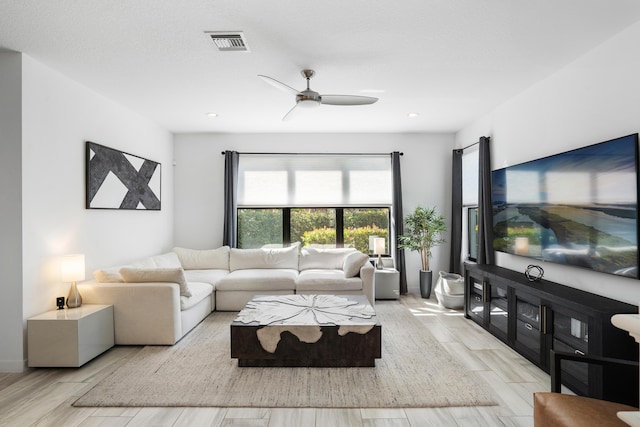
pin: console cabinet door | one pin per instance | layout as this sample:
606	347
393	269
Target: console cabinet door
497	296
571	335
475	299
530	328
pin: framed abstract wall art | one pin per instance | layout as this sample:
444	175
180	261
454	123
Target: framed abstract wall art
119	180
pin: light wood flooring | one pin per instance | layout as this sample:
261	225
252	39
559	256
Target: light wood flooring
43	397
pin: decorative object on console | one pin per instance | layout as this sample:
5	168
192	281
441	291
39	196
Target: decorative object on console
60	303
422	232
378	249
72	268
575	208
531	277
118	180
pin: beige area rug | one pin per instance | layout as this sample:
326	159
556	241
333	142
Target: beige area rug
415	371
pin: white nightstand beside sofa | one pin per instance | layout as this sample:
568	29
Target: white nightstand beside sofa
159	299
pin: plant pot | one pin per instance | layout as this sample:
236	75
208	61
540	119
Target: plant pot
425	283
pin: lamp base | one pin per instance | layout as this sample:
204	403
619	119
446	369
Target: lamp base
379	265
74	299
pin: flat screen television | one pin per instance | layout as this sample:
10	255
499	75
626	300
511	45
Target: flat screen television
577	208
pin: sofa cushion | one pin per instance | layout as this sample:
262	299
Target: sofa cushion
211	277
199	291
168	260
259	280
312	258
108	275
194	259
266	258
141	275
326	280
353	263
142	263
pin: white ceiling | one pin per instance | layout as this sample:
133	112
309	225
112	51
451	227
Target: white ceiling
449	60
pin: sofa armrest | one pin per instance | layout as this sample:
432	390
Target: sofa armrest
368	289
143	313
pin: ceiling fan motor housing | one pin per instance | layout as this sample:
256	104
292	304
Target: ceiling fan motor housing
308	98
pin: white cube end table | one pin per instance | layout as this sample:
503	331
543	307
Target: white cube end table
387	283
69	337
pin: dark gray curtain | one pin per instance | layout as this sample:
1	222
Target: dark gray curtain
397	218
230	236
485	219
456	212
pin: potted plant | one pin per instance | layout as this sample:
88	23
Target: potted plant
422	232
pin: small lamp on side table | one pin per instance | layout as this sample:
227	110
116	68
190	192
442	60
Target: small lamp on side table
72	271
378	249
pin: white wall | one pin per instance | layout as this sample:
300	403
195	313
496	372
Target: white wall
594	99
199	178
58	116
11	335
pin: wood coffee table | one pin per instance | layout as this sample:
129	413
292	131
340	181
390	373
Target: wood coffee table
307	330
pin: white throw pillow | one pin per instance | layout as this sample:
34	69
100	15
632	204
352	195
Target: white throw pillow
144	275
108	275
312	258
210	259
353	263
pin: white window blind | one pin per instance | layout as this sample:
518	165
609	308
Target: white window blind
470	171
297	180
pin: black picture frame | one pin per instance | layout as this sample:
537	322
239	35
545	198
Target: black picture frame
119	180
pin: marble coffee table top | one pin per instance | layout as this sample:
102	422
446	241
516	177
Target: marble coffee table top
301	310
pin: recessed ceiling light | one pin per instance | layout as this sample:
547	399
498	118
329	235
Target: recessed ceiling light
212	114
413	115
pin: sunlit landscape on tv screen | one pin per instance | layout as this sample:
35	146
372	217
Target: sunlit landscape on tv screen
576	208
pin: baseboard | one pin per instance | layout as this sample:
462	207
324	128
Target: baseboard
13	366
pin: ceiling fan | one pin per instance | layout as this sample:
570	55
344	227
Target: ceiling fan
309	98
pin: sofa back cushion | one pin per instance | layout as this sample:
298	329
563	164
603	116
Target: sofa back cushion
311	258
168	260
209	259
242	259
145	275
112	274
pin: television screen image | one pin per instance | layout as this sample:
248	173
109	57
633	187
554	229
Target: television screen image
576	208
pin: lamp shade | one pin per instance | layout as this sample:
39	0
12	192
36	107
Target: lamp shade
378	245
72	268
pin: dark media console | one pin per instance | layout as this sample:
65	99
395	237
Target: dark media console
535	317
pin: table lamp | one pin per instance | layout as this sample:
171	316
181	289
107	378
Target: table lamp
72	271
378	249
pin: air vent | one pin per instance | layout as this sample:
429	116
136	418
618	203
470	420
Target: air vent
229	41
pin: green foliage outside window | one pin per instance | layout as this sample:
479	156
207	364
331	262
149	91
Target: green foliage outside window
259	227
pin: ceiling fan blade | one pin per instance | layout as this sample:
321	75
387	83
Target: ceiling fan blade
347	100
291	114
279	85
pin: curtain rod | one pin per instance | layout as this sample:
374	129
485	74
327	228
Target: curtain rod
318	154
475	143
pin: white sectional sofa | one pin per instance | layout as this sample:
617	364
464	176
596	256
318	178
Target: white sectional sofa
159	299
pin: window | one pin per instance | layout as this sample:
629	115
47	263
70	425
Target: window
317	200
470	175
313	227
472	233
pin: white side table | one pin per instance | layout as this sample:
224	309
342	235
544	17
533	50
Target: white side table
387	283
69	337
